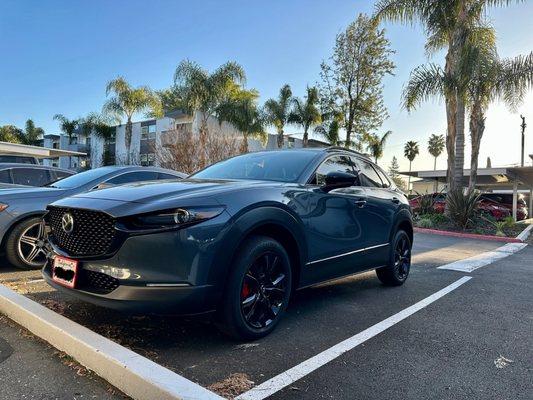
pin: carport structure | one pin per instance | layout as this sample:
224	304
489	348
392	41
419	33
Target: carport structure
18	149
489	179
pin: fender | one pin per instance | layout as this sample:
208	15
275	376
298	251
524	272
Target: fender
250	220
15	221
403	215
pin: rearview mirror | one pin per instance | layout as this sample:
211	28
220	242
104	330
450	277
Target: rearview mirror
338	180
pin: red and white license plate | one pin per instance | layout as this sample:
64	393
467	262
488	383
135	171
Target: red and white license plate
65	271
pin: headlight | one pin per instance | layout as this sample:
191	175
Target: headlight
175	218
3	207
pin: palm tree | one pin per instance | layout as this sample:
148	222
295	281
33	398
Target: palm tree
306	112
330	127
494	78
100	125
450	24
277	111
436	145
68	127
410	151
127	101
376	145
201	92
242	112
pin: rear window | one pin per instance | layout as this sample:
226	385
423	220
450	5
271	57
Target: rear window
30	176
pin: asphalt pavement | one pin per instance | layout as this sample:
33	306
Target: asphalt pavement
453	348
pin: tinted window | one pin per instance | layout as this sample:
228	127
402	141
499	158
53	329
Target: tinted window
130	177
384	177
368	175
5	176
280	166
30	176
61	174
167	176
333	164
18	159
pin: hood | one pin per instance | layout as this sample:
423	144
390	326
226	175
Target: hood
27	192
149	192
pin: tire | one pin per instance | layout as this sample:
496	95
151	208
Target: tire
257	291
26	245
396	273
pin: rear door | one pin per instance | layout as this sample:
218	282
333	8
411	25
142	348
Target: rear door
382	205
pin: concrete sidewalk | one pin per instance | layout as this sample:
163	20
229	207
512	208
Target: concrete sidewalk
31	369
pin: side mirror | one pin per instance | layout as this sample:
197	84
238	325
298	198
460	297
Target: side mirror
338	180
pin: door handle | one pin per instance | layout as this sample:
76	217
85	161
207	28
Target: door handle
360	203
395	200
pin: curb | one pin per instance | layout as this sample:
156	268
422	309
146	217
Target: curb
473	235
135	375
525	233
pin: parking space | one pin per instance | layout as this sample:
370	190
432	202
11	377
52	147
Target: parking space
435	341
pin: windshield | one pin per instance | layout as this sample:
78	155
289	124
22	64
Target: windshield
280	166
80	179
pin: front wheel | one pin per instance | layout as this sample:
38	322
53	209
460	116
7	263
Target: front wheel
258	289
26	247
397	271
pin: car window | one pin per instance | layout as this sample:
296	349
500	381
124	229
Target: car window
384	178
130	177
332	164
30	176
368	175
5	176
61	174
166	176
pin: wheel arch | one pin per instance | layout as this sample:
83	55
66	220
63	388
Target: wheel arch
404	222
17	221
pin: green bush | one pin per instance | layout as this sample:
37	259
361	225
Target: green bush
508	222
438	219
461	207
425	223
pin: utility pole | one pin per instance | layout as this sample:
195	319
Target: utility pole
523	126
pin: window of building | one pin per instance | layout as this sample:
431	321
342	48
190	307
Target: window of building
147	159
148	132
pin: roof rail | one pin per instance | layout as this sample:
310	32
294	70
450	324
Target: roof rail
333	148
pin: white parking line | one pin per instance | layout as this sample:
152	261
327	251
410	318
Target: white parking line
290	376
480	260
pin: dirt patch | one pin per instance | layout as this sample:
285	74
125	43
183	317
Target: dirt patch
232	386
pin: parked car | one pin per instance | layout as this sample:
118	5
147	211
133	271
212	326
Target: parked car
497	211
11	158
30	175
21	230
237	237
506	200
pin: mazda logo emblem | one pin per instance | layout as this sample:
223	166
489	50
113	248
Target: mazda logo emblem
67	223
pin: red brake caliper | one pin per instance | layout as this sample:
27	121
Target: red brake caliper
245	290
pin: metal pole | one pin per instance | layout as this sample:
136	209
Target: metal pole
523	126
530	211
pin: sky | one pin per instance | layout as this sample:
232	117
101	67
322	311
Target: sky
57	57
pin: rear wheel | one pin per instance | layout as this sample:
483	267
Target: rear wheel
26	247
258	289
397	271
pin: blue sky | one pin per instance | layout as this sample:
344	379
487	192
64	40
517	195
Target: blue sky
58	56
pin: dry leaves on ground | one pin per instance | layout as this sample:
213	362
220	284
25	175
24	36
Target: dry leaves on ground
232	386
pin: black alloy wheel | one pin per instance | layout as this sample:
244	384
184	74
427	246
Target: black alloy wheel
397	271
257	291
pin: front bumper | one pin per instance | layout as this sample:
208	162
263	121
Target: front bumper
182	300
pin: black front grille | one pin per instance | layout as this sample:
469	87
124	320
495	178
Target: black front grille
96	282
92	234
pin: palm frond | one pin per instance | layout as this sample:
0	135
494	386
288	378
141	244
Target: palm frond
425	82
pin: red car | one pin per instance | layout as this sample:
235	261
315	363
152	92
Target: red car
506	200
496	210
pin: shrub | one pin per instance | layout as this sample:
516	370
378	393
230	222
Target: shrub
461	207
508	222
425	223
438	219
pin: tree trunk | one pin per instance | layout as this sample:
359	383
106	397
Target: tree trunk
127	140
280	138
244	144
409	179
203	142
436	185
477	127
450	127
458	171
305	138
